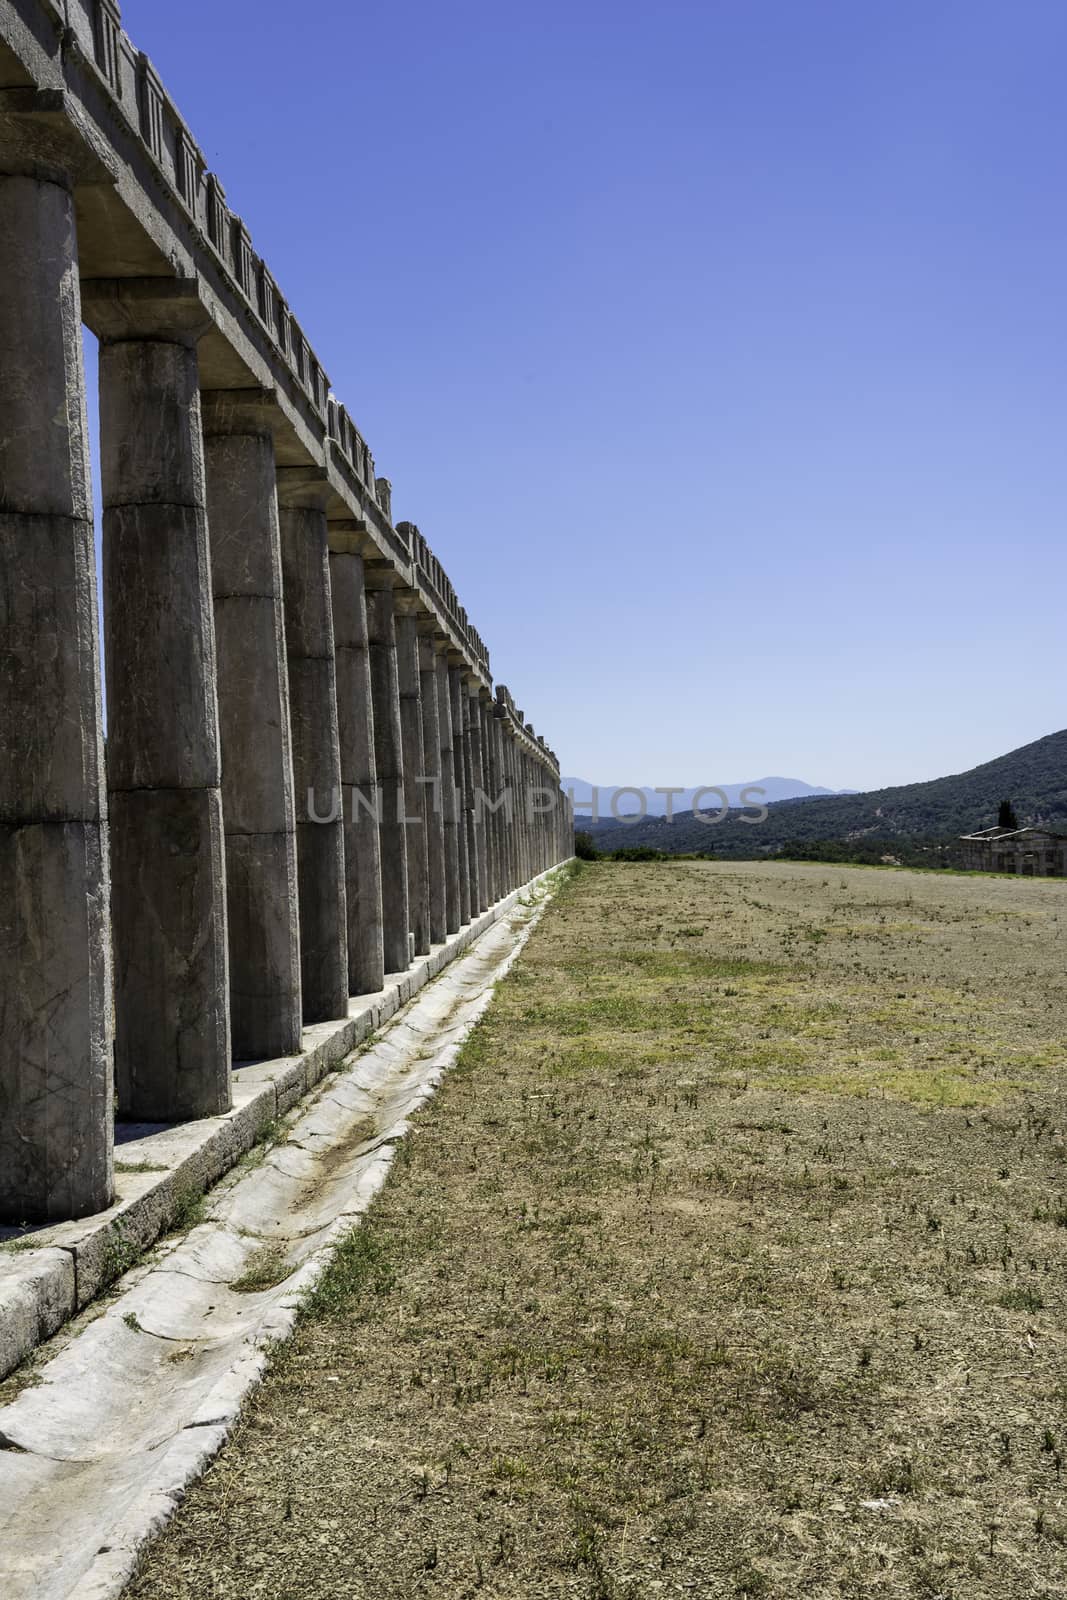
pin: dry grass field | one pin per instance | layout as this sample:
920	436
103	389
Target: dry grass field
729	1262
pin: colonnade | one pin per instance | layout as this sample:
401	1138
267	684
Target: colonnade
309	781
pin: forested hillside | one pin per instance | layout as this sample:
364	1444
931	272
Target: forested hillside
911	816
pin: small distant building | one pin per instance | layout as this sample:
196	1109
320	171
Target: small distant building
1031	852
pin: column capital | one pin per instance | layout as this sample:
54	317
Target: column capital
380	574
166	309
239	411
303	488
38	140
349	536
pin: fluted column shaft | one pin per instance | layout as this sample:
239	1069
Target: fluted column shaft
259	813
168	893
316	744
359	782
56	1110
389	762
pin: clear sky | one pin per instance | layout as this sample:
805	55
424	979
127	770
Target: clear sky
718	347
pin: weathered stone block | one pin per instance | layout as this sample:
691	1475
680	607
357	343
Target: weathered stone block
363	893
305	568
323	934
160	649
36	1298
151	447
55	1013
254	734
243	515
313	715
44	452
263	921
172	1044
50	749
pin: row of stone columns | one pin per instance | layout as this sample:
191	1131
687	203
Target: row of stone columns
305	780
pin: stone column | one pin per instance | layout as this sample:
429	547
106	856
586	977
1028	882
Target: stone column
359	782
168	892
416	794
518	807
527	816
434	790
537	815
485	816
458	699
520	813
544	818
507	834
258	809
389	761
496	733
477	789
302	498
492	814
56	1109
488	815
469	821
449	804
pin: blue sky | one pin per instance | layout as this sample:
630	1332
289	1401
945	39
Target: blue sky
718	348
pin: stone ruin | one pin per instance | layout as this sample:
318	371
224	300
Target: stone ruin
309	779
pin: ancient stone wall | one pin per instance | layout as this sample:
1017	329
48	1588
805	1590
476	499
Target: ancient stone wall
309	779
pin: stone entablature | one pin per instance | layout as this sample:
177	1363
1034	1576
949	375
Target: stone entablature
90	40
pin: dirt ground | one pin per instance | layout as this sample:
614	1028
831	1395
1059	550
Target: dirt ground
728	1262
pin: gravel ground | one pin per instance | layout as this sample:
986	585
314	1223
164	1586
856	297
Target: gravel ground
729	1261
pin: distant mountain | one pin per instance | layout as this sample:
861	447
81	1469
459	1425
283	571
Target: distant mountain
656	804
1034	778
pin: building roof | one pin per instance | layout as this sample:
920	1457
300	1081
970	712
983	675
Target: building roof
1010	835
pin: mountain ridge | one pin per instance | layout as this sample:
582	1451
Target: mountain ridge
775	788
1033	777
